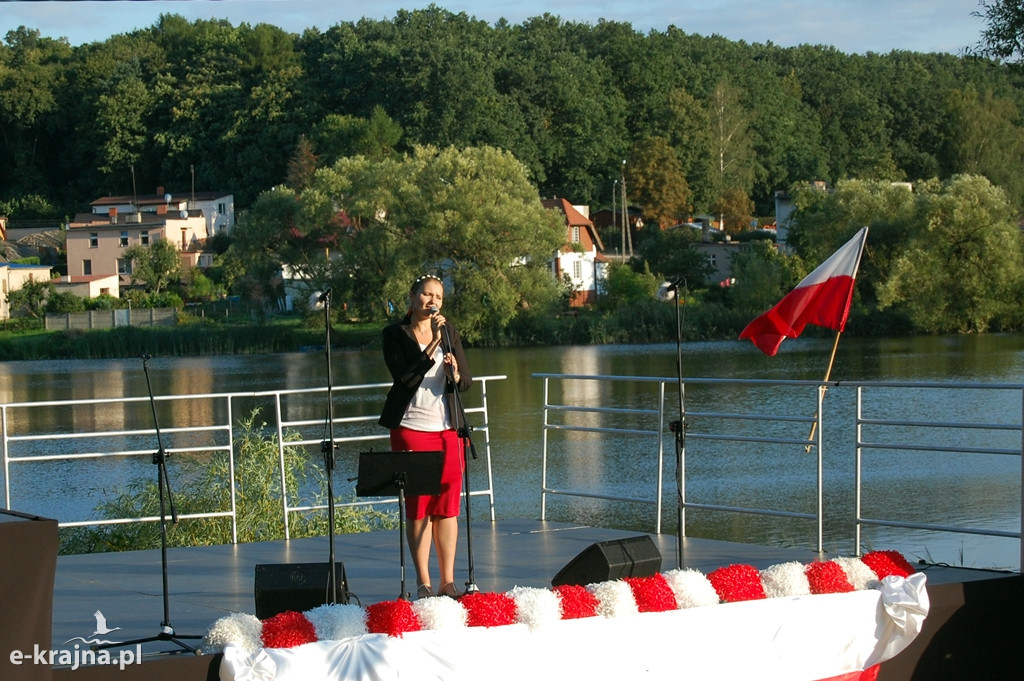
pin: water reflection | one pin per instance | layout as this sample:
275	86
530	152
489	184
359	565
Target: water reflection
908	485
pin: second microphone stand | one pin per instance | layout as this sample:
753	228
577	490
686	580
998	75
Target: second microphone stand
167	505
327	447
463	428
678	427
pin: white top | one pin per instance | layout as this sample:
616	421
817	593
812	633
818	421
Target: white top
428	410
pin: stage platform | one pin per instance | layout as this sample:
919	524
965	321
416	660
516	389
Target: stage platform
206	583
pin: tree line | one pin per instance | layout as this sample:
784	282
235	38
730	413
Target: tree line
375	150
704	124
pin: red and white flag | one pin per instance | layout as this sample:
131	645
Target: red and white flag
822	298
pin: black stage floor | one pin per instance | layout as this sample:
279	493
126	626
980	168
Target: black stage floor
206	583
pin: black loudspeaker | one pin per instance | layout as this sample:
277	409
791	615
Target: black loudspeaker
612	559
296	586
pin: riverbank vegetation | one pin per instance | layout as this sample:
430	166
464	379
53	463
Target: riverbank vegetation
203	485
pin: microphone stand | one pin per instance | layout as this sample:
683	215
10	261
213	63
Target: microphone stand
167	632
327	448
678	427
463	428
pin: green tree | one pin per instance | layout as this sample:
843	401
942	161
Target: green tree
670	254
31	68
656	181
30	299
1003	39
64	302
470	214
962	265
625	286
763	276
731	145
156	265
985	138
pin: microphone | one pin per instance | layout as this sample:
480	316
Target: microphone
432	310
325	295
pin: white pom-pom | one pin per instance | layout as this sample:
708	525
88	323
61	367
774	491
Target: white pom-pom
440	612
614	598
535	607
860	575
785	579
239	629
335	622
691	587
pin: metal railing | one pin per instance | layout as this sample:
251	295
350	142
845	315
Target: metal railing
79	441
650	416
948	431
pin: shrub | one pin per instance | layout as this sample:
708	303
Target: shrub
202	484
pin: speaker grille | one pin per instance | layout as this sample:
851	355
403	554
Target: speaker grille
296	586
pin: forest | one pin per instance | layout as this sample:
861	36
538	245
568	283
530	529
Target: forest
224	108
688	124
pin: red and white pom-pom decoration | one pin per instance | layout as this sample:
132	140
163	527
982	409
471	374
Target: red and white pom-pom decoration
535	608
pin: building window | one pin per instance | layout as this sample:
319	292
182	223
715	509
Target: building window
222	209
713	260
144	237
124	266
124	239
104	291
577	270
94	240
576	234
87	267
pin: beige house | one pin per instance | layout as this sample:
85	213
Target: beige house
89	286
96	243
13	277
217	208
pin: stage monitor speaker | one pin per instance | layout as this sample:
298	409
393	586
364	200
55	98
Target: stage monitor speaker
296	586
612	559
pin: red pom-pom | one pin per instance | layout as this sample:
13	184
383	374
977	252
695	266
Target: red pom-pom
827	577
652	594
737	583
488	609
576	602
886	563
393	618
287	630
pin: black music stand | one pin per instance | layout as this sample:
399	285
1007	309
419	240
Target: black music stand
401	473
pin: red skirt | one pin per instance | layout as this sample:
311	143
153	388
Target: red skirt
445	504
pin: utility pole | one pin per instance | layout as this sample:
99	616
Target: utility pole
627	236
615	191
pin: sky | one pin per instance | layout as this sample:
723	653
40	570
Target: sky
851	26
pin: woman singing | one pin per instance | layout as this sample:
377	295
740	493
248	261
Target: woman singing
424	354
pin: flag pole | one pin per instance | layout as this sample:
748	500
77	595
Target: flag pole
822	388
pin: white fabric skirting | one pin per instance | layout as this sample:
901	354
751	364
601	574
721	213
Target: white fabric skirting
803	638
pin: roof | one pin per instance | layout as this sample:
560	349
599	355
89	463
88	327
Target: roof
82	278
573	217
154	199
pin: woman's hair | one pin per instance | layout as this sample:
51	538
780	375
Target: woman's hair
421	281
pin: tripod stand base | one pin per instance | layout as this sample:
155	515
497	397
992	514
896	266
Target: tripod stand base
166	634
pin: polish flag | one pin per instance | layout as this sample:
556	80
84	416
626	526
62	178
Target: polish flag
822	298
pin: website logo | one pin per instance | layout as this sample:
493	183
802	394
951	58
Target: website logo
79	656
101	630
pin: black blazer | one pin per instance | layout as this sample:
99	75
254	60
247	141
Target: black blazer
408	364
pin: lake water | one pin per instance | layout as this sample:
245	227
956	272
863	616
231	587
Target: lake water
932	488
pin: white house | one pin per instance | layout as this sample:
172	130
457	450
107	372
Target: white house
581	256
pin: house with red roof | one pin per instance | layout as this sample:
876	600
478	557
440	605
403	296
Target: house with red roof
580	259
